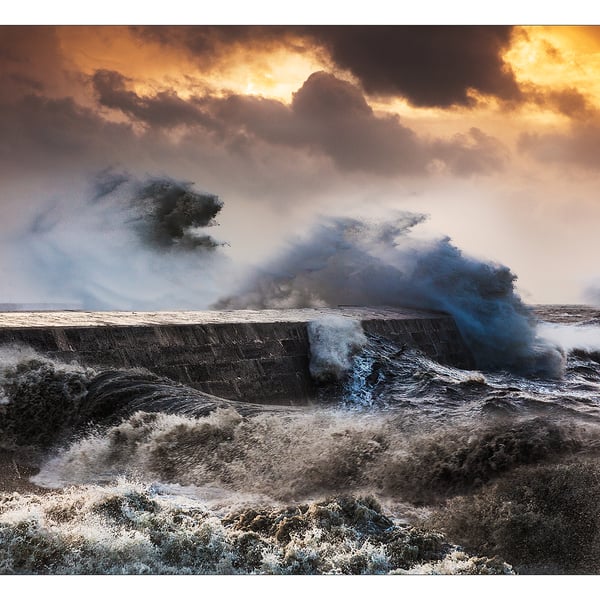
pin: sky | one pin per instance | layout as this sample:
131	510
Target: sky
491	131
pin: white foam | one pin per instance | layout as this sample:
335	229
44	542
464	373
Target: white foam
333	342
571	337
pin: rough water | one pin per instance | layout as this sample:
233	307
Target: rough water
402	465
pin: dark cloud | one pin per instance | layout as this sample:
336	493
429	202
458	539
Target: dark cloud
209	43
164	109
327	116
428	65
332	117
568	101
241	142
26	82
52	145
270	120
329	97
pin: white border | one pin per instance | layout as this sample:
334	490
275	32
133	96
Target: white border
271	12
113	12
265	587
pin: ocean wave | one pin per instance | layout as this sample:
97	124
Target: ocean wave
129	528
347	261
542	519
41	398
45	402
298	456
452	452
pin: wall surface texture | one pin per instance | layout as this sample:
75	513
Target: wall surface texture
257	356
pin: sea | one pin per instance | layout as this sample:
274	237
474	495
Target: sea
403	466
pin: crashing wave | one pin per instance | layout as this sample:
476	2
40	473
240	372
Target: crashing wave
129	528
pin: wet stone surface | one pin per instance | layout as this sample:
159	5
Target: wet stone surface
258	356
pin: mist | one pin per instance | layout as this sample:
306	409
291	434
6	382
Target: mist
121	243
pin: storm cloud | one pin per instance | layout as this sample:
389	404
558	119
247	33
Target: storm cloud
208	43
428	65
164	109
53	115
331	117
49	134
568	101
327	116
474	152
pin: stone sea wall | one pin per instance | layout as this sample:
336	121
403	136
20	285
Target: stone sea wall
258	356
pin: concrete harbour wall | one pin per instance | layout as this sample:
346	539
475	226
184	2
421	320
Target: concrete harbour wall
258	356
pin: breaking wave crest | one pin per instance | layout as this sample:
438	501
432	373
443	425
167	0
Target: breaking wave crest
297	456
333	342
45	403
40	398
347	261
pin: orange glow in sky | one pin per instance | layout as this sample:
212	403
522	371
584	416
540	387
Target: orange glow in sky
274	73
558	57
561	58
